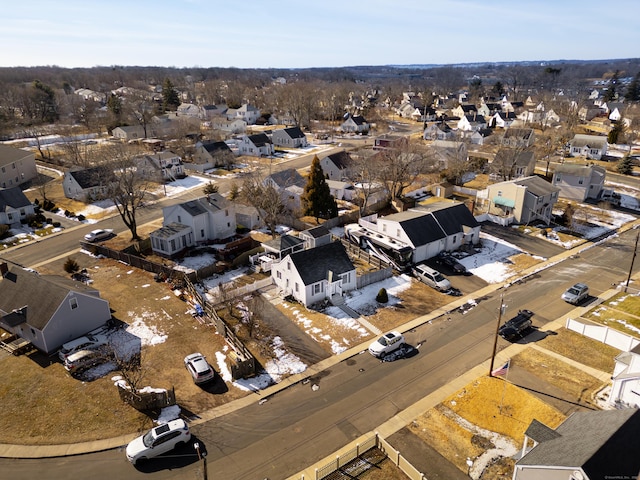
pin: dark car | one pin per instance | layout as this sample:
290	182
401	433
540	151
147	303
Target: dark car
516	327
450	262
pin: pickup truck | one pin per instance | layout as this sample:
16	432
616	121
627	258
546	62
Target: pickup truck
516	327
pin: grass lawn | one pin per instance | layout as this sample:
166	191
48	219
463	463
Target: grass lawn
581	349
621	312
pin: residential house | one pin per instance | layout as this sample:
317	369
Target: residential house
591	445
474	137
291	137
488	109
510	106
510	164
502	119
446	152
518	137
626	379
472	122
438	131
428	230
15	207
247	113
290	184
248	217
390	142
615	115
579	182
207	219
233	126
337	165
214	111
129	132
464	109
208	155
92	95
355	124
316	274
17	166
551	118
590	146
316	236
530	116
524	200
589	112
341	190
164	166
88	184
48	310
190	110
257	145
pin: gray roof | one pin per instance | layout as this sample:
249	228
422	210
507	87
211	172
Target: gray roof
41	294
578	170
93	177
215	147
317	232
451	217
539	432
259	139
170	230
12	198
288	178
213	202
10	155
421	227
537	186
294	132
600	442
284	242
314	264
523	133
504	155
342	160
588	141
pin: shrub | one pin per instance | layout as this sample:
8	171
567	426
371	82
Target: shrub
48	220
4	231
71	266
382	296
56	224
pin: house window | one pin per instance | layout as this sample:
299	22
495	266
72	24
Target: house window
179	220
288	265
398	233
279	275
73	303
202	233
173	245
580	181
384	227
316	288
228	224
558	177
455	239
297	287
226	213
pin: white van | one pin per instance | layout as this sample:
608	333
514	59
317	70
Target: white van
78	361
432	277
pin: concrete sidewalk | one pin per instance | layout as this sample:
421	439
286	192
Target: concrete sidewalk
391	426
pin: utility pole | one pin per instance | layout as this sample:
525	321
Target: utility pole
495	339
632	260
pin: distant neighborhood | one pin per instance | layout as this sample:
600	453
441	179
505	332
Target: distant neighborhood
316	190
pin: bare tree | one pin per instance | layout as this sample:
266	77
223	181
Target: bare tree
129	187
364	172
505	161
248	308
399	168
264	197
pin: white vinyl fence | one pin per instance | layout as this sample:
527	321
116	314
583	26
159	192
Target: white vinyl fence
604	334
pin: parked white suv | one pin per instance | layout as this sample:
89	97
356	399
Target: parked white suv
158	440
432	277
387	343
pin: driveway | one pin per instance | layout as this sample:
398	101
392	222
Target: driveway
528	243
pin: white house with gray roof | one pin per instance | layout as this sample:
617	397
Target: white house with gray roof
257	145
313	275
17	166
48	310
291	137
590	146
196	222
579	182
588	445
14	206
89	183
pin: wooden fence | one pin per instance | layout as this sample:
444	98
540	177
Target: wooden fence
145	401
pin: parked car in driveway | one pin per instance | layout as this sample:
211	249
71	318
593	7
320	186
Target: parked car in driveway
576	293
158	440
517	326
387	343
82	360
199	368
87	342
450	262
431	277
98	235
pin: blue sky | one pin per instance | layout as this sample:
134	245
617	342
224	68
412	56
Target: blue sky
325	33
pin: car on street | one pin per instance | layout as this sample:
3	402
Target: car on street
517	326
98	235
576	293
199	368
158	440
386	344
87	342
450	262
432	277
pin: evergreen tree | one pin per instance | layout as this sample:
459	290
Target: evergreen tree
612	90
616	132
633	90
114	105
625	167
317	199
170	98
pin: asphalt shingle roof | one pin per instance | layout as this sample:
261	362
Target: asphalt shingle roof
314	264
12	197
